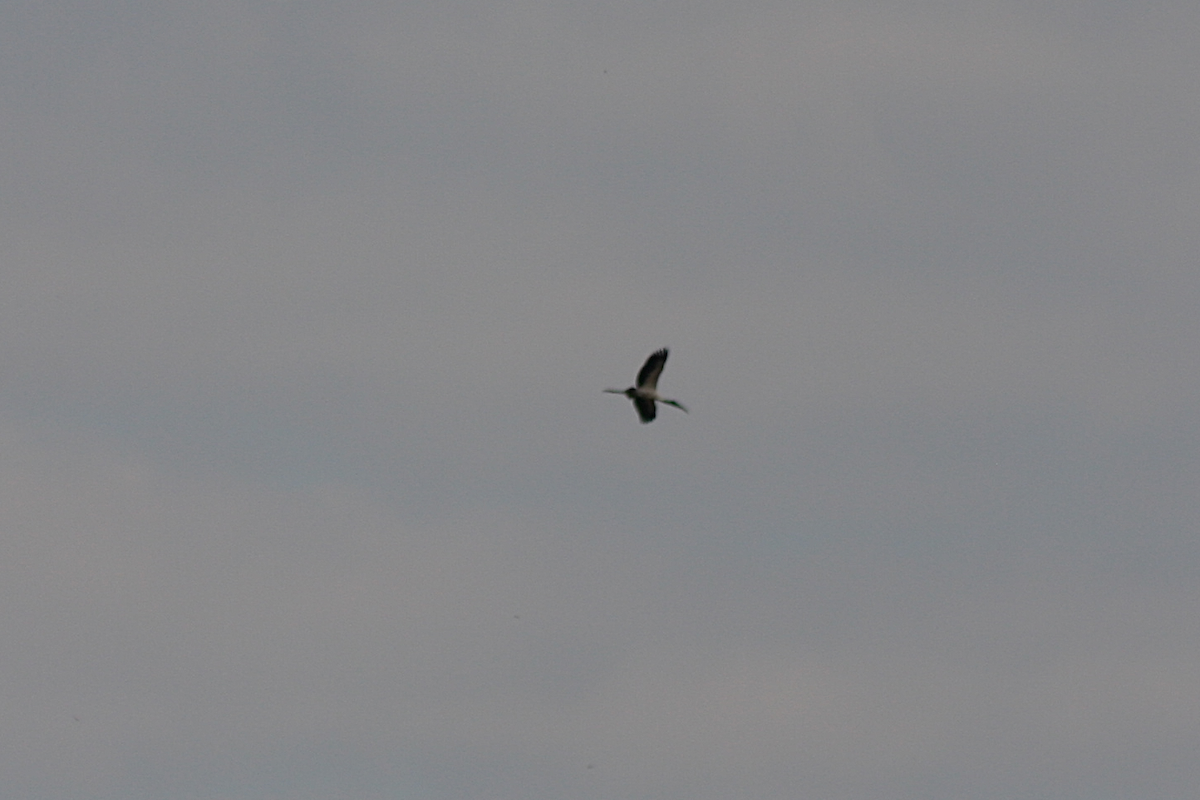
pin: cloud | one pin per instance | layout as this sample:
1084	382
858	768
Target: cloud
193	623
310	489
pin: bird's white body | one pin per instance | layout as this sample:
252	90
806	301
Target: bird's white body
645	393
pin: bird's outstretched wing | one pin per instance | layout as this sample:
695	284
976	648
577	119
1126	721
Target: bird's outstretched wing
648	375
645	409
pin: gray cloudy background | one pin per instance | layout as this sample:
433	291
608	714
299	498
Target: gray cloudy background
309	490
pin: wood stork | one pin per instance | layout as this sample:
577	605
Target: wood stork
645	392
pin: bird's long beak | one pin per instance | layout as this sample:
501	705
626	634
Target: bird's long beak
615	391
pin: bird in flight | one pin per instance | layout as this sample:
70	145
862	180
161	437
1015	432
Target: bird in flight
645	392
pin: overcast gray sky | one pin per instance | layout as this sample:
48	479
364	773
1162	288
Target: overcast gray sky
309	490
